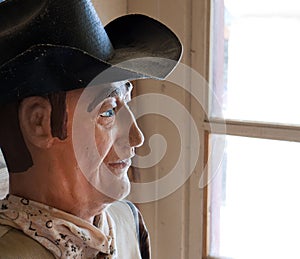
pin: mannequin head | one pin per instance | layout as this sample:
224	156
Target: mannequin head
64	145
66	168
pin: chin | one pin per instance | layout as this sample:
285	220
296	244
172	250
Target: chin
111	186
114	188
119	191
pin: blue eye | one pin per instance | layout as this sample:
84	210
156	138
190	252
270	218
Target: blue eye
108	113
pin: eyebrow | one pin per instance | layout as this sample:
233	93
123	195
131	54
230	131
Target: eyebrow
114	93
117	91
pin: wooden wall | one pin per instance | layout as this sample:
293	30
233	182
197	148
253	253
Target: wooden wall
110	9
175	222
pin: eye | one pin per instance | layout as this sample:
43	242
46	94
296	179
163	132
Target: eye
109	113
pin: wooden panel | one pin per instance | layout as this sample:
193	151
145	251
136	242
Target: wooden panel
111	9
200	54
175	14
254	129
167	218
175	222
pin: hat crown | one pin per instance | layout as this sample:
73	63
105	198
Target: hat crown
48	46
27	23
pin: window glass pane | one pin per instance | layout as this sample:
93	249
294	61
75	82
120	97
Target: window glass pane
260	61
254	208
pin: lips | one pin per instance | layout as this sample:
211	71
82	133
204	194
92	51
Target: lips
121	164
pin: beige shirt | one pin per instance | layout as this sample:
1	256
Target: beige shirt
32	230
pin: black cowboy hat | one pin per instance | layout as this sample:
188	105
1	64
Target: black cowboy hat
60	45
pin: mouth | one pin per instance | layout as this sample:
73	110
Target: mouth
120	164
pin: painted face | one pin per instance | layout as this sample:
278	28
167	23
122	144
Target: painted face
104	136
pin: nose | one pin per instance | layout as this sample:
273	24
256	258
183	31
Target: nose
131	133
136	137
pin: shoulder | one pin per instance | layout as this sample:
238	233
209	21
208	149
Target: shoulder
123	207
123	213
128	217
14	244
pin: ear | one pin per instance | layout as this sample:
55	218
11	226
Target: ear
35	121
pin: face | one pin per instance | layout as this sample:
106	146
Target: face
104	136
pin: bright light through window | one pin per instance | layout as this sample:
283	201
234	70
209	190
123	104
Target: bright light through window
262	61
253	203
255	208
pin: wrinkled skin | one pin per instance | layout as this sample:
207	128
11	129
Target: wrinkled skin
88	170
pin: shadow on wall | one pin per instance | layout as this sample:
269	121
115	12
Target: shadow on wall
3	176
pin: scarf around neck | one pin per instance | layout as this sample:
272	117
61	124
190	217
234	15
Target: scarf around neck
65	235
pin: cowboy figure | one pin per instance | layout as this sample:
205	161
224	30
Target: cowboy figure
67	133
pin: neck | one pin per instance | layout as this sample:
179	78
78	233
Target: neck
67	189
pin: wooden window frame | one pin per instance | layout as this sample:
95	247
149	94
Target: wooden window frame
263	130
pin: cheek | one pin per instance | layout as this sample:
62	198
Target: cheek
104	141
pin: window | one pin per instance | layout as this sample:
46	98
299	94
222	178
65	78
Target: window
253	209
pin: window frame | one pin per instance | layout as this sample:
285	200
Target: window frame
253	129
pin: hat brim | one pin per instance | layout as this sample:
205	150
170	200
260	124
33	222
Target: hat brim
149	50
144	45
